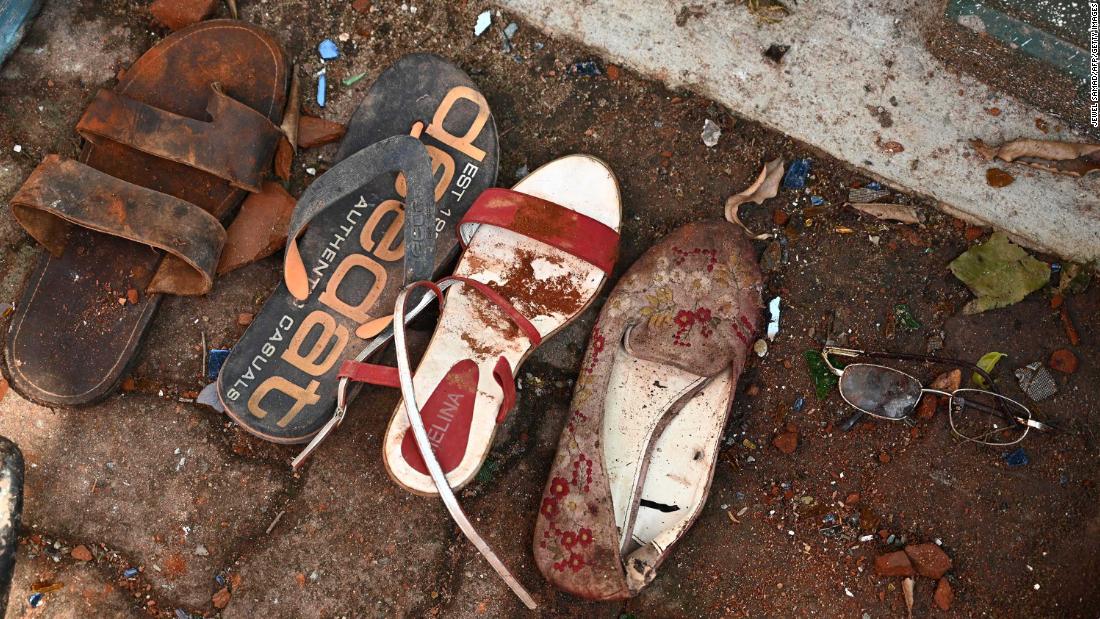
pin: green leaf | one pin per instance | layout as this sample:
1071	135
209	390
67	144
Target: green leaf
986	363
905	318
999	273
823	378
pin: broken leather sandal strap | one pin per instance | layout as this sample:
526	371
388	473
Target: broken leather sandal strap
62	193
400	153
236	145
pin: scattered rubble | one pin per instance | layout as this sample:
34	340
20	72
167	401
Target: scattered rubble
176	14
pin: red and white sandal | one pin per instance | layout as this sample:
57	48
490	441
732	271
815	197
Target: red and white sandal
535	257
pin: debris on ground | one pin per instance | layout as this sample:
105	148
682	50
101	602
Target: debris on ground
3	387
999	272
1017	457
484	20
81	553
245	318
176	14
221	598
868	194
765	186
893	564
773	321
1073	279
928	559
987	362
351	80
313	131
215	357
322	88
998	178
689	11
1067	323
890	212
775	52
259	229
1063	360
1069	158
584	68
760	347
795	178
209	397
787	440
1036	381
944	595
907	591
711	133
328	50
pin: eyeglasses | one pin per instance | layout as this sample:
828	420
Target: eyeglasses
976	415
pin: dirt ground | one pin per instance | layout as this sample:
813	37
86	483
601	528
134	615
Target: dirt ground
197	505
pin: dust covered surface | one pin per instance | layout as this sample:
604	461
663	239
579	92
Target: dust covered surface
196	505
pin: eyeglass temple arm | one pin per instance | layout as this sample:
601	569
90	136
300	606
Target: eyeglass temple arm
1031	423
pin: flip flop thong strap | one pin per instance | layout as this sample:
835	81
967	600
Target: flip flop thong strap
446	494
236	144
396	154
62	193
544	221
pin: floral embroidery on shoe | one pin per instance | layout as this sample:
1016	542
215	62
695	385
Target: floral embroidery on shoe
575	562
582	459
559	487
568	539
584	537
550	507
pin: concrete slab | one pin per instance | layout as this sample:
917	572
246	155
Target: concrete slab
178	506
857	80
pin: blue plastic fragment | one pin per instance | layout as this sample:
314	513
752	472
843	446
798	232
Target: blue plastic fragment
322	86
131	572
220	579
35	599
584	68
182	614
328	50
799	402
1055	267
1017	457
795	178
214	360
817	200
874	185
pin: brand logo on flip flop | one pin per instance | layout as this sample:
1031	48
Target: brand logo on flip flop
319	340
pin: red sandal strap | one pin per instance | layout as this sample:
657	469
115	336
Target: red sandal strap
370	373
543	221
519	319
502	372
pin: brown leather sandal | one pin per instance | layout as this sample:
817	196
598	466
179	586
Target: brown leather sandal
637	455
190	129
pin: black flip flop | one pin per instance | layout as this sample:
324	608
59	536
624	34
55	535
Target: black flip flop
280	381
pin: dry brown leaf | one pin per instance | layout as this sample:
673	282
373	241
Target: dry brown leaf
765	186
892	212
293	110
907	589
1070	158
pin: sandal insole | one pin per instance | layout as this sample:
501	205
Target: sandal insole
681	462
71	338
546	285
280	380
